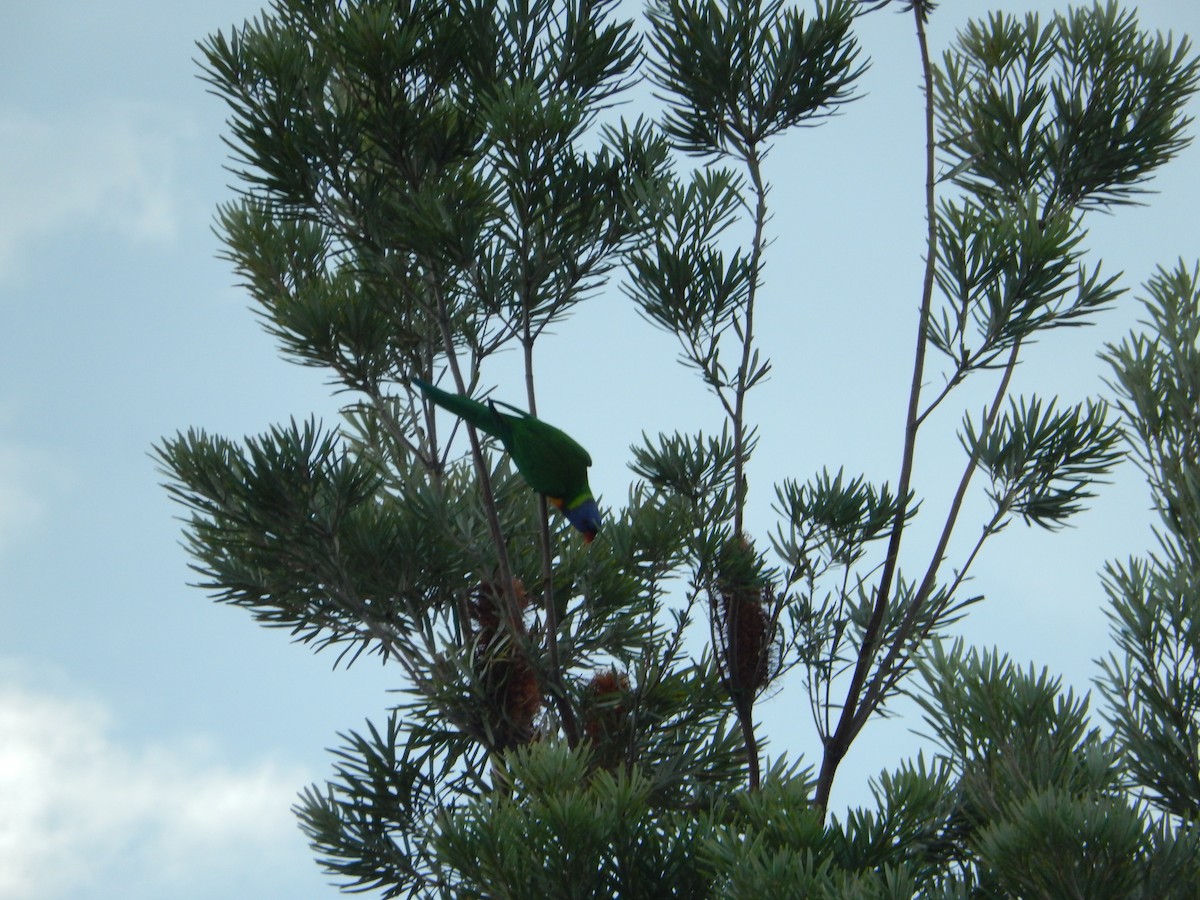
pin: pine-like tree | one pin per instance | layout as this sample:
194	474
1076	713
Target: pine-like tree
426	184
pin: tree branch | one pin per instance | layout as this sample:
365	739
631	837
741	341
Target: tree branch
557	688
839	743
884	675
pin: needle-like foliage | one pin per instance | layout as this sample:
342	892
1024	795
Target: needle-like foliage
1153	686
421	186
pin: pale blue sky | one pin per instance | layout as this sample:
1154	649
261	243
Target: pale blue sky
151	742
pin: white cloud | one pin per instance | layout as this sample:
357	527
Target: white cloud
105	170
83	815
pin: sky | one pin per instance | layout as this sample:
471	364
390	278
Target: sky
152	742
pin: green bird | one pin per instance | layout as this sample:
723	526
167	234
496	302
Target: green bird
550	460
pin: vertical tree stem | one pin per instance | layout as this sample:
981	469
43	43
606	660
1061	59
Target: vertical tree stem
889	668
744	705
562	703
513	612
739	400
838	743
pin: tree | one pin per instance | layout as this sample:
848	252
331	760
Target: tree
424	185
1153	686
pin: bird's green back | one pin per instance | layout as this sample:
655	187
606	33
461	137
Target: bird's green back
551	461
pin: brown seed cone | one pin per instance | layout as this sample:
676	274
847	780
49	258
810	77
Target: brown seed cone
741	604
747	649
606	716
510	685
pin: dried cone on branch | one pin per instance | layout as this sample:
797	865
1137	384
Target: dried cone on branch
502	665
606	717
743	624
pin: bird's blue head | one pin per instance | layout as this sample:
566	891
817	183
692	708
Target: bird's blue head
585	516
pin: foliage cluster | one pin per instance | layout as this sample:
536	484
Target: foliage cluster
426	184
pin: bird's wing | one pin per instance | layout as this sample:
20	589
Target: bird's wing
549	459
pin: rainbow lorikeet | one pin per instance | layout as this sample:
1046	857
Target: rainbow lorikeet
550	461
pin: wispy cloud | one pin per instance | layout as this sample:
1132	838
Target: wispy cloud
84	814
20	506
107	170
34	480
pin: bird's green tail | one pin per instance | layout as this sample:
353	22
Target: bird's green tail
472	411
